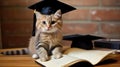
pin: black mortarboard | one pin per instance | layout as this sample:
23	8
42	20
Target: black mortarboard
49	7
82	41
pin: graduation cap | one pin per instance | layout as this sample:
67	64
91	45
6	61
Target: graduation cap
82	41
48	7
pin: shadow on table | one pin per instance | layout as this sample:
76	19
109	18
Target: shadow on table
109	61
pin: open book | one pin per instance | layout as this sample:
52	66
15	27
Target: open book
75	56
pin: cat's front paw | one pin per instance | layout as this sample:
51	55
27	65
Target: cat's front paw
44	58
43	55
57	55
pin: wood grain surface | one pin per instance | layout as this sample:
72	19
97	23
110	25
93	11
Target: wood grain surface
28	61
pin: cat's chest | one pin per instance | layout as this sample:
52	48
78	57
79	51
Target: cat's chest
51	37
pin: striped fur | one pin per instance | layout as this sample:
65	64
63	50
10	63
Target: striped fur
48	36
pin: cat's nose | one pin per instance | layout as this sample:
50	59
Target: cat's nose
48	28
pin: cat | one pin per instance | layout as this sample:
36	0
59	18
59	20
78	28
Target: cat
48	37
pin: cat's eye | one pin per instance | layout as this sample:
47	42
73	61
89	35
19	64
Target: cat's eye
44	22
53	22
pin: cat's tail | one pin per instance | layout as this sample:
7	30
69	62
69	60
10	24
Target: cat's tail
17	51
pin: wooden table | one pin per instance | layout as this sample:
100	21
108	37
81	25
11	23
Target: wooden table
28	61
17	61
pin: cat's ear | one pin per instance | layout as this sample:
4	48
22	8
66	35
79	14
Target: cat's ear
58	14
38	14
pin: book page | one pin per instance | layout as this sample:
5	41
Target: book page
93	56
65	61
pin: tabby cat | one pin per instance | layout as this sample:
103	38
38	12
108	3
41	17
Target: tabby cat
48	37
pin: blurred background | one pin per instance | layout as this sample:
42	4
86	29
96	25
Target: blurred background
96	17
